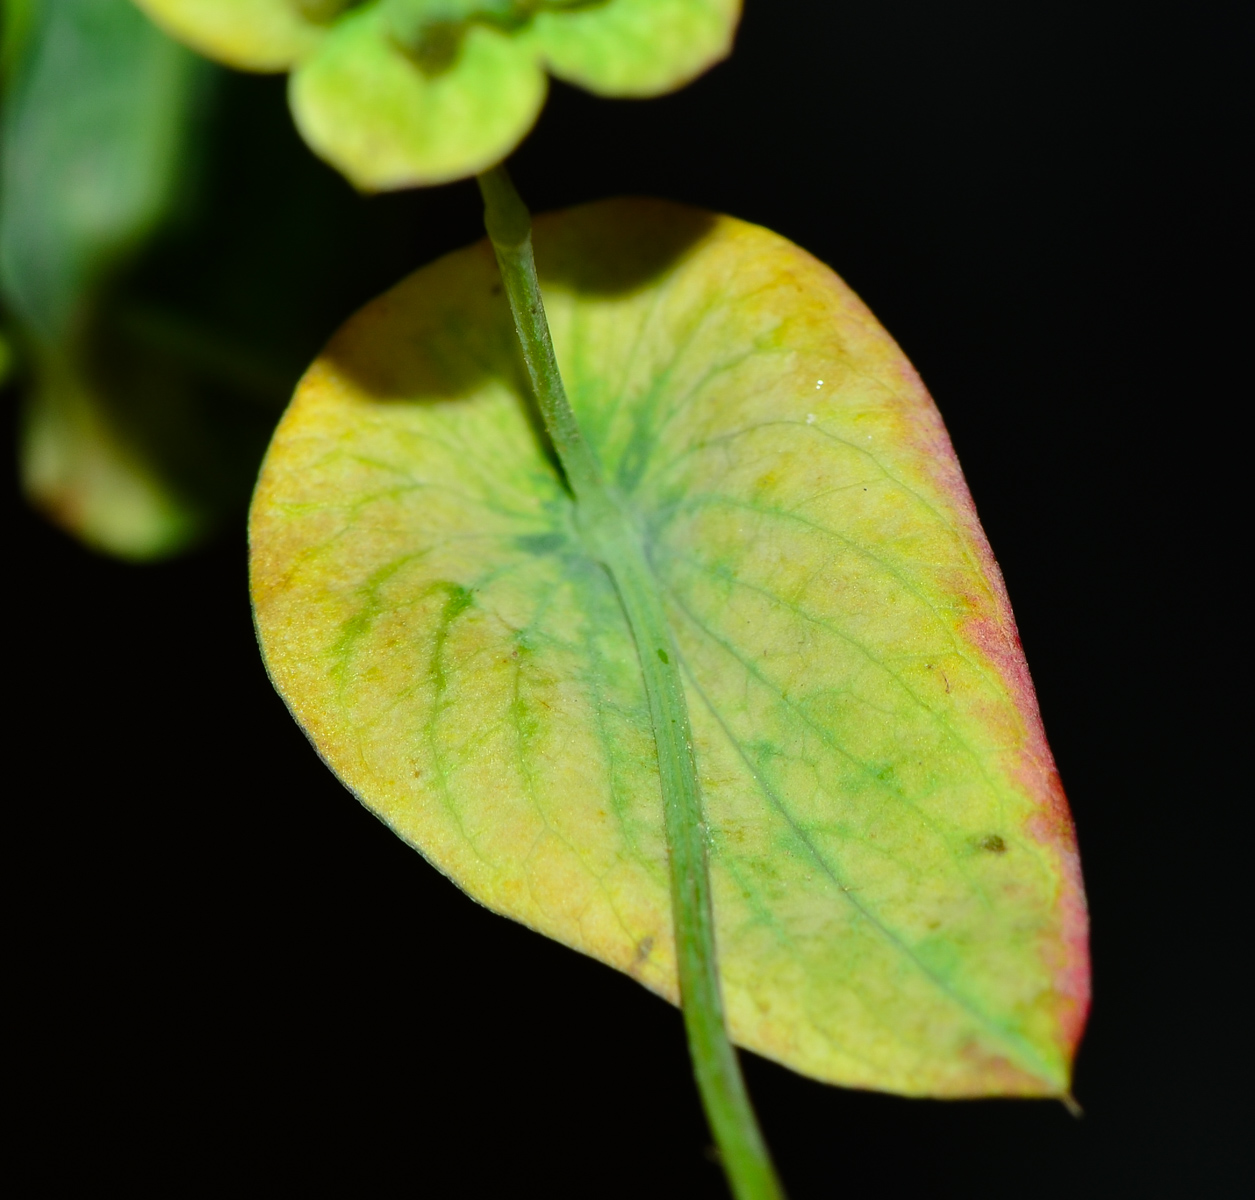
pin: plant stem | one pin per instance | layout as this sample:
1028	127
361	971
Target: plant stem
611	535
509	226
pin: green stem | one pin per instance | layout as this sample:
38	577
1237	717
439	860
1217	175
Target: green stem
509	226
610	533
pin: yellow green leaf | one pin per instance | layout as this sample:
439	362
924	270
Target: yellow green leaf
897	895
636	47
386	121
253	35
80	468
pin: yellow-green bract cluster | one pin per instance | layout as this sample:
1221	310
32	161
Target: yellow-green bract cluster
397	93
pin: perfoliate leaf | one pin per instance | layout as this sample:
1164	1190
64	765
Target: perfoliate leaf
253	35
366	107
636	47
897	895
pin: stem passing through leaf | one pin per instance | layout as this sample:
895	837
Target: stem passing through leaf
614	540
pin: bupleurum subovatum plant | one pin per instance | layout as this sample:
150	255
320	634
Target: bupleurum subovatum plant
675	636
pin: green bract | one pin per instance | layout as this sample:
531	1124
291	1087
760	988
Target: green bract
396	93
896	889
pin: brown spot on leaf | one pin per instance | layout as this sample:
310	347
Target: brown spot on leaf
643	948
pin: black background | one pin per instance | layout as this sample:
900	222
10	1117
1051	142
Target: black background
231	975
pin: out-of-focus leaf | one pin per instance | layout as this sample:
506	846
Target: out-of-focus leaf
82	469
363	105
94	150
897	895
95	136
6	358
397	93
253	35
18	18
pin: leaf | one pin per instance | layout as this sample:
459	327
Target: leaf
94	146
18	21
897	894
636	47
253	35
96	120
375	114
81	468
7	358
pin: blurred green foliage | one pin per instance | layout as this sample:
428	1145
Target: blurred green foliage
171	256
99	121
